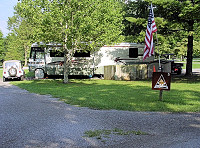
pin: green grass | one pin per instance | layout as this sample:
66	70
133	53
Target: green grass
121	95
104	134
1	73
29	74
195	65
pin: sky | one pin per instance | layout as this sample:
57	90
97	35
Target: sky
6	10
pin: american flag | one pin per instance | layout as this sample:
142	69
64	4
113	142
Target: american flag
151	28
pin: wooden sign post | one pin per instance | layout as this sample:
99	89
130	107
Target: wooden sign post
161	81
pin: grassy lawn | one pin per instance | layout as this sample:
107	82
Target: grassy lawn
121	95
1	73
195	65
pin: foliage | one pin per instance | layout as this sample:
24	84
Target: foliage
196	52
186	15
23	32
184	95
13	49
2	48
74	23
172	18
1	73
87	24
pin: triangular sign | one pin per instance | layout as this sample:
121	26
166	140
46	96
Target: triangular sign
161	83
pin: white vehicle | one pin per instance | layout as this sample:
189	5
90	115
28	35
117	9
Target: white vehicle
48	60
12	69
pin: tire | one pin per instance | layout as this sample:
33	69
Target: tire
4	79
22	78
39	74
12	72
179	72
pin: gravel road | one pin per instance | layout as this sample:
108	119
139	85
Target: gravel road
29	120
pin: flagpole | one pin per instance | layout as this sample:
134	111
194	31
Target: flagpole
159	65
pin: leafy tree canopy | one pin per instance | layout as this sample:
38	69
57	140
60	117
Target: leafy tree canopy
172	18
2	49
74	23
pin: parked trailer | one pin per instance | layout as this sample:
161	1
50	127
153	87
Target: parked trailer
48	60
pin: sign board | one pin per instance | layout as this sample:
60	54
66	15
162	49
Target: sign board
161	81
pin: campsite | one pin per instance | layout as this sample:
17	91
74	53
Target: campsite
100	73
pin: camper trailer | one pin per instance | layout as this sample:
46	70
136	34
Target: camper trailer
119	54
48	59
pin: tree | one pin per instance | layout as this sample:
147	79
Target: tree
2	49
172	18
13	49
186	14
73	23
24	34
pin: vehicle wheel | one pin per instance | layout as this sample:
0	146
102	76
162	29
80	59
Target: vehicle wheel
179	72
12	71
101	76
39	74
4	79
22	78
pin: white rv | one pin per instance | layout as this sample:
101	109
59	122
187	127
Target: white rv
48	60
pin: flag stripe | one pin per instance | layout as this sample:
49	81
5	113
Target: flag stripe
151	28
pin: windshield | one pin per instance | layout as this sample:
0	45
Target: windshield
12	64
37	53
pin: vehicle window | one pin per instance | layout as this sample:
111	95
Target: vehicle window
37	53
56	53
133	52
11	64
82	53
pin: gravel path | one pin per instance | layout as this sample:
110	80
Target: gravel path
29	120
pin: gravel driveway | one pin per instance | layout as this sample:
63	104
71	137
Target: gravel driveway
30	120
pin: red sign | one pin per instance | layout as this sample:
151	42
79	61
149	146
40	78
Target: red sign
161	81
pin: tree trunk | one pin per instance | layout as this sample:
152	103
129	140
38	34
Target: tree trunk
189	56
66	67
25	55
190	49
